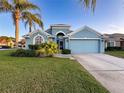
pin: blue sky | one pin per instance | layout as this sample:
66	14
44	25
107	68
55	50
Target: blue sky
108	16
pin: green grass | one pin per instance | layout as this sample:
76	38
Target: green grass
116	53
45	75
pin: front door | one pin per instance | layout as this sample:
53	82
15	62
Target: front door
60	44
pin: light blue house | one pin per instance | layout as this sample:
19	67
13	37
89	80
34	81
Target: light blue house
83	40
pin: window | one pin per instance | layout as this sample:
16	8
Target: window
111	44
38	40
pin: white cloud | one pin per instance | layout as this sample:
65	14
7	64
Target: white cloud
114	29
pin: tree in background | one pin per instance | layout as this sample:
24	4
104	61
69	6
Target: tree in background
17	8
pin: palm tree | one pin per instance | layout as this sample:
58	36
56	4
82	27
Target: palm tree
31	19
16	8
89	3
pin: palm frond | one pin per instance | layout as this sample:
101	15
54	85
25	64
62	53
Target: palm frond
26	23
32	19
5	6
26	6
38	15
93	5
86	3
89	3
19	1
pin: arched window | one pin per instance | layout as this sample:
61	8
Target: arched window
38	40
60	35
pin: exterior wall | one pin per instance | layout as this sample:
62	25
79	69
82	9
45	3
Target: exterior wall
118	44
64	30
30	40
85	33
66	43
102	46
54	31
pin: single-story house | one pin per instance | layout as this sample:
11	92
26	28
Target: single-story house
83	40
6	41
114	40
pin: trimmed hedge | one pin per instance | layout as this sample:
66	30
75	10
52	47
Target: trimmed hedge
66	51
113	49
23	53
34	47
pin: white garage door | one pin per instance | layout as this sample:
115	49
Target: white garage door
84	46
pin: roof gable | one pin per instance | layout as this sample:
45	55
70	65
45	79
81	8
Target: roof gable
85	28
36	32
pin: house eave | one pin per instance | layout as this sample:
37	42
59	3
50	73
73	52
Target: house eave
86	38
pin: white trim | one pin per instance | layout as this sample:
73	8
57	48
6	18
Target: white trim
113	42
82	28
30	34
60	32
40	32
36	36
85	38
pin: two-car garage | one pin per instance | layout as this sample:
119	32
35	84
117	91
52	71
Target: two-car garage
86	40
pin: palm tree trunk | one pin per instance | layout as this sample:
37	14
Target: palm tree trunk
17	17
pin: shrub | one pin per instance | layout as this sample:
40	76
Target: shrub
66	51
113	49
42	50
23	53
6	47
34	47
47	49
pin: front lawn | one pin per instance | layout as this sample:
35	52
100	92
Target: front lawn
116	53
45	75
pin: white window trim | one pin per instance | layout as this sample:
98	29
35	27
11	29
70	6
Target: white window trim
35	38
113	42
60	32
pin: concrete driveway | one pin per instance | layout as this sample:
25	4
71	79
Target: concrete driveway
106	69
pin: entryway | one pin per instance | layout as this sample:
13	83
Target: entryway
60	40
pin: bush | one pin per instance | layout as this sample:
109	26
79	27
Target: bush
42	50
34	47
66	51
23	53
113	49
6	47
47	49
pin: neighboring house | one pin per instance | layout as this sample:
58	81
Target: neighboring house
21	43
5	42
83	40
114	40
